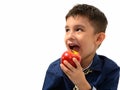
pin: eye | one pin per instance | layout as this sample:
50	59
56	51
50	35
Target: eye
67	30
79	29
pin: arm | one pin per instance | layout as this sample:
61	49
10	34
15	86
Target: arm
76	75
52	79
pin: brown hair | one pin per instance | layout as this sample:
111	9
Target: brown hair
97	18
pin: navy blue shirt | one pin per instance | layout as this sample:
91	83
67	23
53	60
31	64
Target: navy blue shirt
104	75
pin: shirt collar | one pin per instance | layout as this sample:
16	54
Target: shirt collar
88	66
96	64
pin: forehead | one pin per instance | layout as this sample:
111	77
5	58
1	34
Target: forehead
78	20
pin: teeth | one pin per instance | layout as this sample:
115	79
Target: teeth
72	44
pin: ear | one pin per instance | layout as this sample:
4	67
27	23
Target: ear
100	37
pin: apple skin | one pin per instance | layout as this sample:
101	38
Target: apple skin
69	55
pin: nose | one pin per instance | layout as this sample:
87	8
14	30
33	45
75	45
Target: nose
70	35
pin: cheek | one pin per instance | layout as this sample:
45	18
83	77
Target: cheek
88	44
87	49
65	41
90	47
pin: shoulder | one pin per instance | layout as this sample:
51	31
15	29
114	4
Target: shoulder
108	63
54	64
54	67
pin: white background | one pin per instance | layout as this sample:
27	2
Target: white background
32	36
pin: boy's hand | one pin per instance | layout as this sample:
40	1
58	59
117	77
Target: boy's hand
76	75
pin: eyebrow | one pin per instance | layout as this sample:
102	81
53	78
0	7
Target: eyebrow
76	26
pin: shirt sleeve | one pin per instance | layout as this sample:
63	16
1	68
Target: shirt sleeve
52	79
93	88
76	88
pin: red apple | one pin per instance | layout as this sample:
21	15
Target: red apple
69	55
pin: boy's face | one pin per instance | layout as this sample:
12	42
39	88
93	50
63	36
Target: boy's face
80	36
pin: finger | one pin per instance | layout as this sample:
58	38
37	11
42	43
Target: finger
77	63
65	69
68	65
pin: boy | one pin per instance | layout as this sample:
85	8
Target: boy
85	32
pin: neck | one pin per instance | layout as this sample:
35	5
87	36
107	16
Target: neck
87	61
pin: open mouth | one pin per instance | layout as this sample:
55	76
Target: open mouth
74	47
